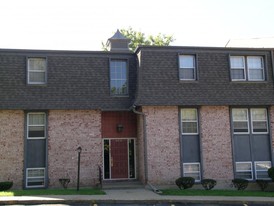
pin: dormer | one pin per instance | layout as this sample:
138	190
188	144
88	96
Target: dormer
118	43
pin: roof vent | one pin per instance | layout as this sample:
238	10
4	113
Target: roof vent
118	42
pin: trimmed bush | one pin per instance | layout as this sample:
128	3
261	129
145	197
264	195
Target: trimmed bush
4	186
262	184
185	182
240	184
270	172
208	184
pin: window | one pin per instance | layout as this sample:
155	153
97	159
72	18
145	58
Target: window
261	169
187	69
36	125
237	68
255	68
35	177
192	170
240	121
247	68
259	121
118	77
244	170
189	119
36	70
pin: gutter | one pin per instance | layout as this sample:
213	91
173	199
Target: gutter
145	140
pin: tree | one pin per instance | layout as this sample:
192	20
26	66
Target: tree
138	38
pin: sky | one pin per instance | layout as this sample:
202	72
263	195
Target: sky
85	24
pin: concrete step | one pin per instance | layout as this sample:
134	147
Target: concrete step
122	184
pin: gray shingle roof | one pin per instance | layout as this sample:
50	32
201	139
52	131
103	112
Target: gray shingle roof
159	82
76	80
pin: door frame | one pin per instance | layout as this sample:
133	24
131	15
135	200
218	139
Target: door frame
103	156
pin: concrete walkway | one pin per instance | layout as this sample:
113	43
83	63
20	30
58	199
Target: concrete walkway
136	196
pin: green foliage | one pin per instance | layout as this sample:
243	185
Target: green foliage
138	38
82	191
185	182
262	184
271	173
4	186
208	184
240	184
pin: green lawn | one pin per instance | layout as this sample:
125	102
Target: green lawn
216	193
84	191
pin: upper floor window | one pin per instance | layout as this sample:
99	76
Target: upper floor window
37	70
118	77
189	118
247	68
187	66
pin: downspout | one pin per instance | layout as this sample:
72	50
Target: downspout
145	149
145	140
271	138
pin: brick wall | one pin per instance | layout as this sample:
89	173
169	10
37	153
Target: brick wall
216	142
140	149
271	119
67	130
162	144
12	146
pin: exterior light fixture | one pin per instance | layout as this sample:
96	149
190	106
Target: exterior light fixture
119	127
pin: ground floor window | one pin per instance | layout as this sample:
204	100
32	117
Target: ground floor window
35	177
192	170
250	170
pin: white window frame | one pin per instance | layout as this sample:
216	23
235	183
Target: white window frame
248	129
247	68
193	172
237	68
239	171
36	177
266	120
38	125
181	56
37	71
262	68
196	121
256	174
119	79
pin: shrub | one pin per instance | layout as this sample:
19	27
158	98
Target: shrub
208	184
5	186
270	172
240	184
185	182
262	184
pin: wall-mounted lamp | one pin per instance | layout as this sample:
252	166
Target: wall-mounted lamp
119	127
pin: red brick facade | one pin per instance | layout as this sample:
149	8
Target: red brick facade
216	146
12	146
163	144
68	129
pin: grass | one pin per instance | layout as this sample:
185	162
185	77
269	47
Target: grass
216	193
37	192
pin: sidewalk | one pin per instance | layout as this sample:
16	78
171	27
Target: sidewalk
132	196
